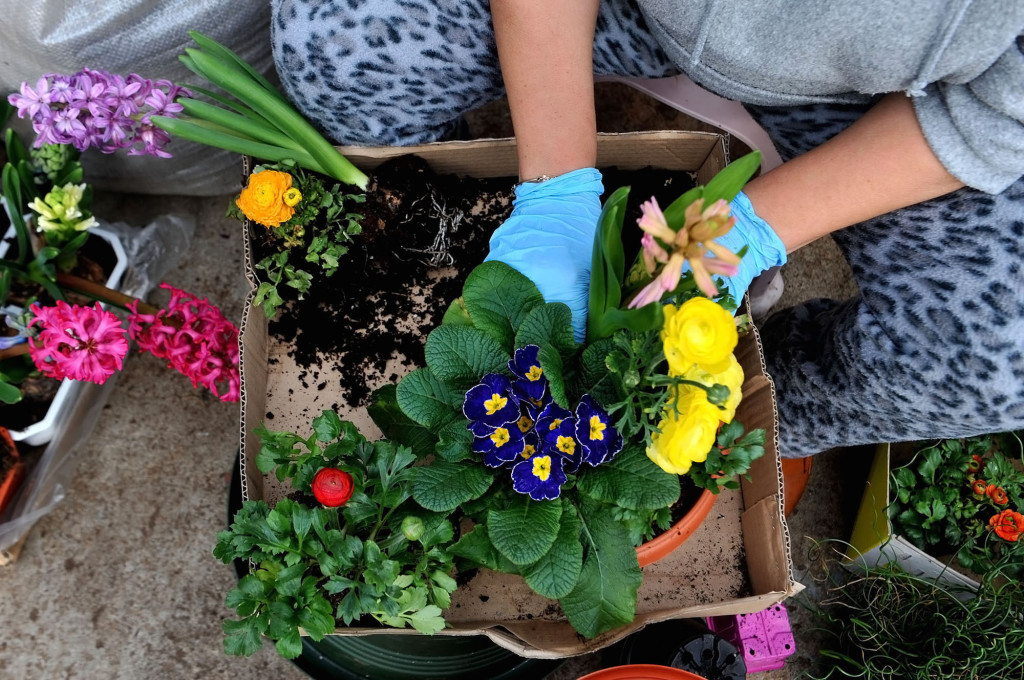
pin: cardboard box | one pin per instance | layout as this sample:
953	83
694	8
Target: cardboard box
873	541
738	562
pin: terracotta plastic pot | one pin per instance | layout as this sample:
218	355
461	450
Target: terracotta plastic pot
11	482
642	671
654	550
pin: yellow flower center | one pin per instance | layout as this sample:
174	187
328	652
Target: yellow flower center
566	445
495	404
597	428
542	467
525	424
500	437
555	423
292	197
528	451
534	373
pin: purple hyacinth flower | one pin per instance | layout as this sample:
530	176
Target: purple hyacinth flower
503	445
561	441
530	378
595	432
491	403
541	476
32	102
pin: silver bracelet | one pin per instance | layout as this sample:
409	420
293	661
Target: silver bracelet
535	180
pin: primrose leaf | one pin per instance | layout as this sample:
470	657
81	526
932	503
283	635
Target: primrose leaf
498	299
461	355
444	486
396	425
426	400
555	574
457	314
526	530
548	324
455	442
631	480
476	547
605	593
551	361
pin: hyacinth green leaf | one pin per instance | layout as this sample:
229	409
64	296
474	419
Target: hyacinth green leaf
396	425
605	592
244	125
461	355
225	55
426	400
457	314
498	299
675	213
632	481
646	318
551	362
555	574
525	531
444	486
548	324
607	265
727	183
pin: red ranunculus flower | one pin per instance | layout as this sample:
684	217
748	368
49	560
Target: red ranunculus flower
1008	525
997	494
332	487
979	486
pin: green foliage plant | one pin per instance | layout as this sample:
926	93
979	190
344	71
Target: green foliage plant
379	555
882	623
946	496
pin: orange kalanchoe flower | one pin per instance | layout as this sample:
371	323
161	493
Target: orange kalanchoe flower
1008	525
997	494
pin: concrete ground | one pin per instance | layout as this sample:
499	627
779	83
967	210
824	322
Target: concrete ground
119	581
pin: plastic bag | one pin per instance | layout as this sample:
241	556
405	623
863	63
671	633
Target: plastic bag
151	251
134	36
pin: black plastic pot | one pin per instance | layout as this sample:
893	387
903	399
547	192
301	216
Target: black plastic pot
686	644
403	657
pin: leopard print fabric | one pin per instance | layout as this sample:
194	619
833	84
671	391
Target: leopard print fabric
932	347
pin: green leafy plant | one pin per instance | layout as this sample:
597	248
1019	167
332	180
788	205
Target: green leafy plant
377	555
964	496
882	622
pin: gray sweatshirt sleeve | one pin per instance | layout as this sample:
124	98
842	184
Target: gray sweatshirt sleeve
976	129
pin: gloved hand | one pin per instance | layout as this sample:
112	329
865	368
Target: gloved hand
765	249
549	238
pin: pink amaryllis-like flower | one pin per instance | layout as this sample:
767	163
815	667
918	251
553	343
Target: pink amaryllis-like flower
76	342
693	243
195	339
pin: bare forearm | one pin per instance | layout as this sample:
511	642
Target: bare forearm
546	48
877	165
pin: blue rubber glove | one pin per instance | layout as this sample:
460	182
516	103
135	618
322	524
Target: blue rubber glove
765	249
549	238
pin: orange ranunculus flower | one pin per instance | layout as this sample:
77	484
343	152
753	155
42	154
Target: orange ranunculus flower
264	199
979	486
1008	525
997	494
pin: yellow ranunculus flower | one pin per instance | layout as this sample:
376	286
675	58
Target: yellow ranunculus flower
698	332
686	437
731	377
263	200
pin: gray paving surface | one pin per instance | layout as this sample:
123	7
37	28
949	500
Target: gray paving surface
119	581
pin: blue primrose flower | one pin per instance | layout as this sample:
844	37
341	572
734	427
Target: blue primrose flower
560	441
503	445
595	433
490	404
541	476
530	378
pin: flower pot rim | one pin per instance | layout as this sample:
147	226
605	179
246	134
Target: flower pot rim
43	430
641	671
657	548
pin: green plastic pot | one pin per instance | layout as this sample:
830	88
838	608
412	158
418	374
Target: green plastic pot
403	657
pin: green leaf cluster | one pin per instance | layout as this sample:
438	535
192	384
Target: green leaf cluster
379	555
934	504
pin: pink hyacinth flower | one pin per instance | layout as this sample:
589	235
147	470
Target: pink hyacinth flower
195	339
80	343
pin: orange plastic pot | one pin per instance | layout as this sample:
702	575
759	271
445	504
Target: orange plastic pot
642	671
11	482
654	550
